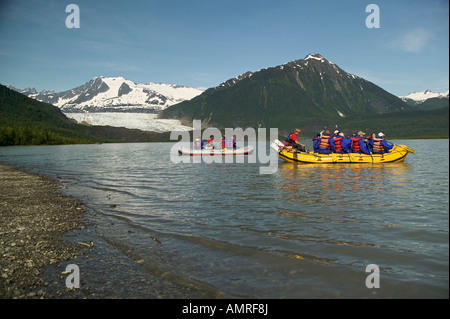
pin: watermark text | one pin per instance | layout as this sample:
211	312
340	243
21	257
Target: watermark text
373	19
262	155
73	19
373	280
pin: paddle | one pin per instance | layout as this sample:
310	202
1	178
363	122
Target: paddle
409	150
333	156
368	148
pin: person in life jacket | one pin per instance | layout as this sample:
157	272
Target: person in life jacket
325	143
232	142
223	144
358	144
291	140
316	141
339	144
209	144
379	144
349	141
369	141
347	147
198	144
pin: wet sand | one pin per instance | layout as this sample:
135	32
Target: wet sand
33	219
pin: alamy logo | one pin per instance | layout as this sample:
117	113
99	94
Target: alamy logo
73	19
373	280
373	19
73	278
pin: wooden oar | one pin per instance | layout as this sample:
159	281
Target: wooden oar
409	150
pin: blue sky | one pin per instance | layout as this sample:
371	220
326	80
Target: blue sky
202	43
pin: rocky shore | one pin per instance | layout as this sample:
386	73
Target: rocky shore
42	231
33	219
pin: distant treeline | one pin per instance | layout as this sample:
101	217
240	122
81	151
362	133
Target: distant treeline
406	124
34	136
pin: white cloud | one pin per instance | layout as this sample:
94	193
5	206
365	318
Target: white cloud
413	41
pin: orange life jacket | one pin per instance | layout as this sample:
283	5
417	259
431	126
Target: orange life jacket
324	142
377	147
337	143
355	145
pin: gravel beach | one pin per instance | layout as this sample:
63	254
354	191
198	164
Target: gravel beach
42	231
33	218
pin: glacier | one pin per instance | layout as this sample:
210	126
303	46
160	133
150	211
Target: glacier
140	121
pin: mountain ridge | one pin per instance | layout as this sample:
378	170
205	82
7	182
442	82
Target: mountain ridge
313	86
114	94
312	93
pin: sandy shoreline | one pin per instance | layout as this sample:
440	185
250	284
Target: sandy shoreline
33	218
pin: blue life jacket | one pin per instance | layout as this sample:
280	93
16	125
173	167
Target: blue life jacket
198	145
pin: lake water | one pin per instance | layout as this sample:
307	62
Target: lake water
225	230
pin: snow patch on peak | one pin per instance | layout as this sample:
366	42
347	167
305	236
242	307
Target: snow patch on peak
425	95
318	57
315	56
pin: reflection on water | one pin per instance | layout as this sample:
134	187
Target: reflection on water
341	184
360	206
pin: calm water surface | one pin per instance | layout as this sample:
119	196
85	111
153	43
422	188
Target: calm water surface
224	230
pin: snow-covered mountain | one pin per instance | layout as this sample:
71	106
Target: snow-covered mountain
115	94
116	101
420	97
310	90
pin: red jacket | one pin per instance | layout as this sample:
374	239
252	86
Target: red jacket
292	137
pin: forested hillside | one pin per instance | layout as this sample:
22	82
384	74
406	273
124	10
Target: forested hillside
25	121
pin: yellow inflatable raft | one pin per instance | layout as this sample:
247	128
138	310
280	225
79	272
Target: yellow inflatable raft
396	154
